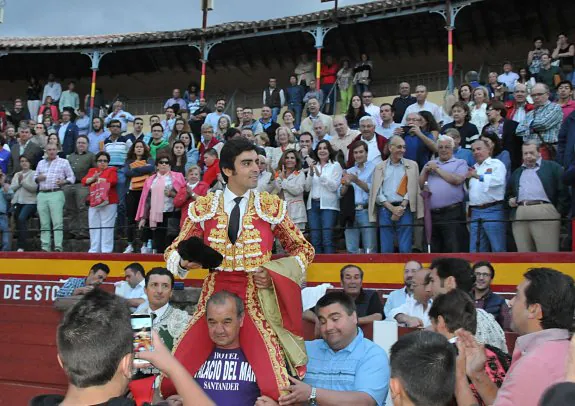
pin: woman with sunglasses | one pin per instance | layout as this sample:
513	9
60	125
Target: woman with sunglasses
102	217
139	167
156	205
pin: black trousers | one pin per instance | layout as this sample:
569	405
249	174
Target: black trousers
132	202
160	233
452	236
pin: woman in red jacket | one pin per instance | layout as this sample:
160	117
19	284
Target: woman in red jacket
102	217
186	195
50	107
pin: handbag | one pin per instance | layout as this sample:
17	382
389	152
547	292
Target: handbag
99	194
546	150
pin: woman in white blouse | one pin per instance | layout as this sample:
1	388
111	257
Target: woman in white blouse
283	140
479	107
290	183
322	182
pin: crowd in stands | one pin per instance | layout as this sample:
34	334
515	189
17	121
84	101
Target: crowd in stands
455	352
488	171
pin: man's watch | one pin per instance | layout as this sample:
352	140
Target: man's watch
312	397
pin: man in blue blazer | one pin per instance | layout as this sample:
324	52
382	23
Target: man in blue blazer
68	133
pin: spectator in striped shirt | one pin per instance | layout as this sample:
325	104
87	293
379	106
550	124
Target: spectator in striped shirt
117	146
543	122
80	286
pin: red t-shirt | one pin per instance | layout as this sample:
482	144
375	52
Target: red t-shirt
211	174
328	74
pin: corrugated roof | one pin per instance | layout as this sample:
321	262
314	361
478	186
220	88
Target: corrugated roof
217	31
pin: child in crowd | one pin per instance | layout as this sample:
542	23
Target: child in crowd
212	167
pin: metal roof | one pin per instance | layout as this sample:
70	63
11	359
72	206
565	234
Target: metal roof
231	30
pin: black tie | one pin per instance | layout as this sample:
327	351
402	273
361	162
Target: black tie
234	226
154	315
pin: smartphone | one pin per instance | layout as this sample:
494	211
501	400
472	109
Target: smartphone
406	128
142	333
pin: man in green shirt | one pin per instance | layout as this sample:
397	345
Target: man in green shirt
76	194
550	75
70	98
158	143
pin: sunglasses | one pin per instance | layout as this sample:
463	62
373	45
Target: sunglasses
163	162
115	126
102	160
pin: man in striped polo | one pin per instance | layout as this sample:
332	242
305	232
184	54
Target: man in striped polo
117	145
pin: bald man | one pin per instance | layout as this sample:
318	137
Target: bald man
398	297
423	105
402	102
414	313
543	122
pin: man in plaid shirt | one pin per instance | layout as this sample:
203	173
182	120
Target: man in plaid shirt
543	122
51	175
80	286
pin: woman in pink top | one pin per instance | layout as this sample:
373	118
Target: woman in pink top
156	206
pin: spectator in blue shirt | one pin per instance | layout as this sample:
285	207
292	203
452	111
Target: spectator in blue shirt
6	195
295	94
83	122
97	136
343	367
176	102
4	155
119	114
80	286
419	144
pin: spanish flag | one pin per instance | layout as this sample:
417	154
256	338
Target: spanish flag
402	187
